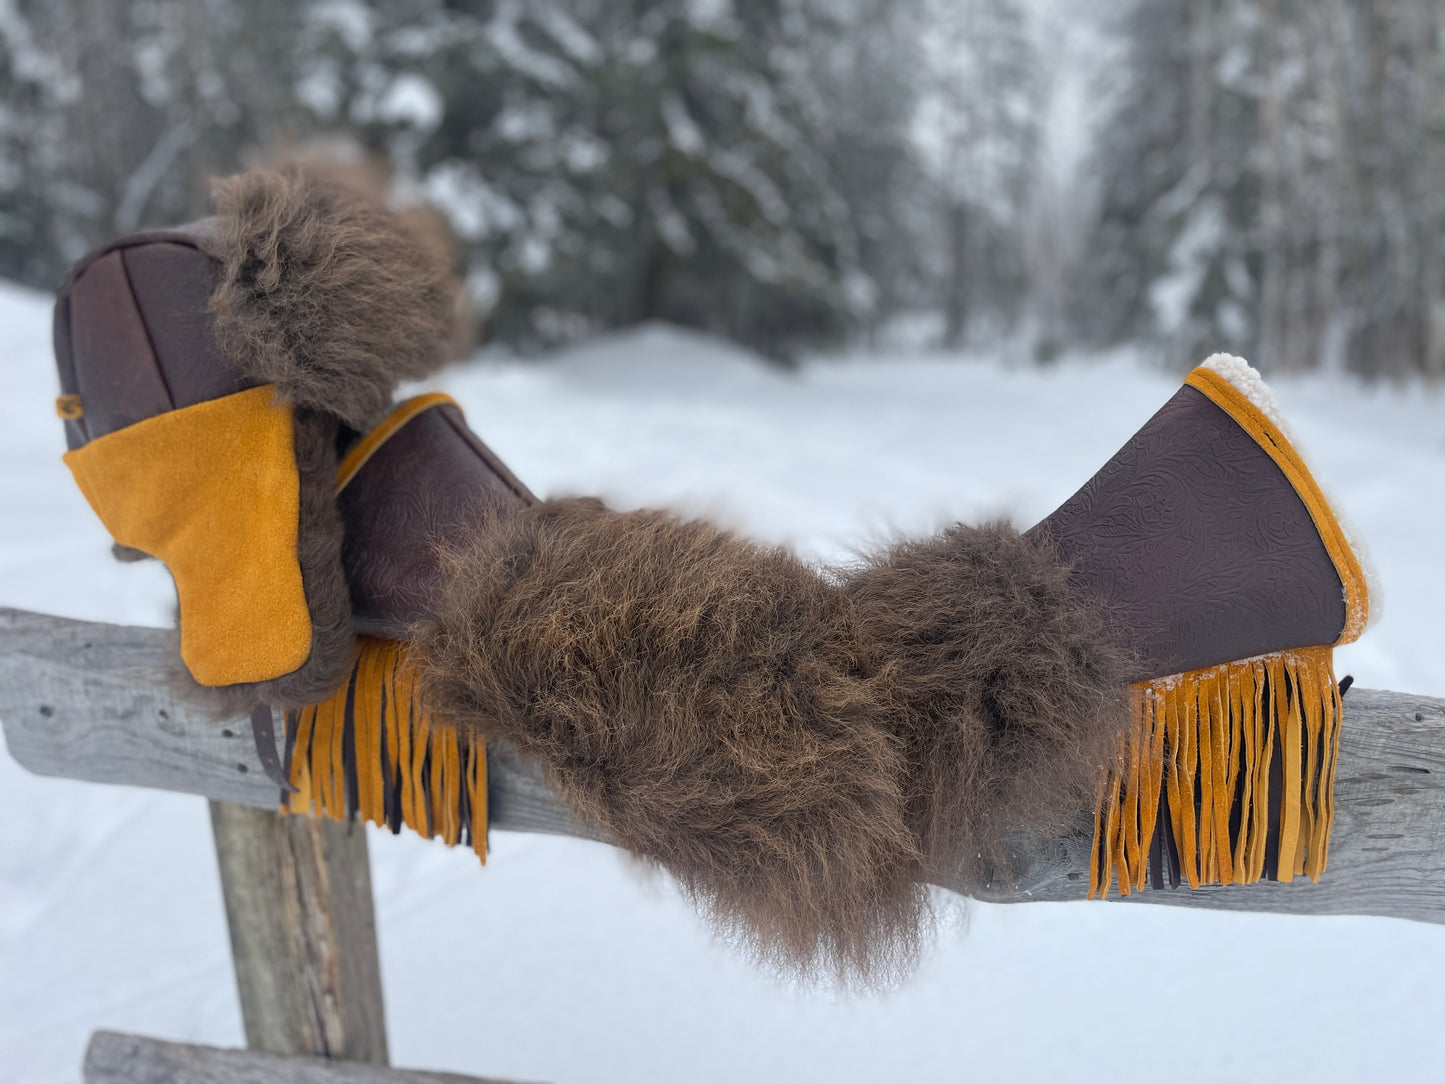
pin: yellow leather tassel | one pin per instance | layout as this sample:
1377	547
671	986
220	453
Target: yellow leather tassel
373	753
1206	740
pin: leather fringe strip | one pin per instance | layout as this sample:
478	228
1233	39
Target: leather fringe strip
1226	776
373	753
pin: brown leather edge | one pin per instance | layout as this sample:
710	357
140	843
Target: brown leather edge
453	415
383	431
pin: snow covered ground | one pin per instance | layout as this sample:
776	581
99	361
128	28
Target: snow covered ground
560	961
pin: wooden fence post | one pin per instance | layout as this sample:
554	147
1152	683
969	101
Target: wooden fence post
303	933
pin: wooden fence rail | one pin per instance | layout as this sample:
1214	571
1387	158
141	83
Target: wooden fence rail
114	1058
95	702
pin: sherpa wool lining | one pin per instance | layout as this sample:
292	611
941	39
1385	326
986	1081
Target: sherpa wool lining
318	552
801	751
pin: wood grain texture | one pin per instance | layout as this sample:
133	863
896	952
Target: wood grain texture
111	704
115	1058
303	933
97	684
1387	847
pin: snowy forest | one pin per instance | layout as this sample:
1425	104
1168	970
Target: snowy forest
1260	176
831	275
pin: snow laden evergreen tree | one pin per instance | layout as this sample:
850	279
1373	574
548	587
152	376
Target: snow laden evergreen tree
602	163
977	123
117	110
607	164
871	75
1272	185
1179	189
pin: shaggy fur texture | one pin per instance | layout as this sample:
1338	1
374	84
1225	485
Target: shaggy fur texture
328	598
326	294
1011	697
801	751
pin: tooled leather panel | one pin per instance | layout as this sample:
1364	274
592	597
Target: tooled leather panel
428	485
453	415
1199	547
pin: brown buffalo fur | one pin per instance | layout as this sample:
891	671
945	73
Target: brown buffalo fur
800	750
318	549
327	294
328	598
1012	697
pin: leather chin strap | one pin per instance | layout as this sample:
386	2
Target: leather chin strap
263	732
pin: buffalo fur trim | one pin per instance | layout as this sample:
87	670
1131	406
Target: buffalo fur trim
800	751
327	294
1012	697
707	703
318	550
328	598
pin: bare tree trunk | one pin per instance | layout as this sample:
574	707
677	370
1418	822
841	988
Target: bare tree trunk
111	126
1427	39
955	307
1341	193
1202	59
1269	352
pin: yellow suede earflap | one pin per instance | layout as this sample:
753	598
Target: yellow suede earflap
212	490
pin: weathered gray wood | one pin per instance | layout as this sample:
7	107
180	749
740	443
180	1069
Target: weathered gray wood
1387	849
110	704
303	933
100	703
519	798
114	1058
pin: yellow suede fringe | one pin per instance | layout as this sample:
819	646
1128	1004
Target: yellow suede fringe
372	752
1206	742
